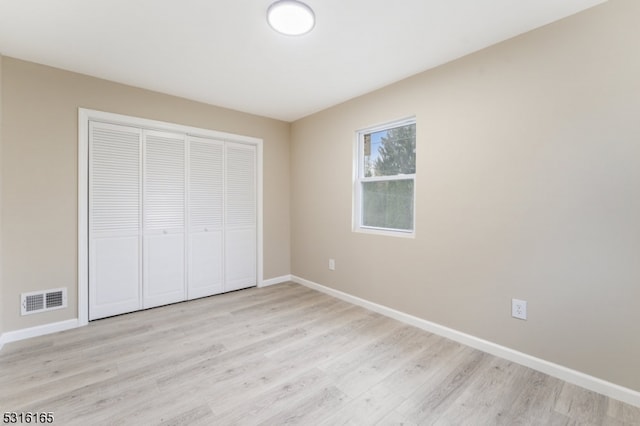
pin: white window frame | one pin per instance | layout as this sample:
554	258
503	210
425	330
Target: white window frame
359	179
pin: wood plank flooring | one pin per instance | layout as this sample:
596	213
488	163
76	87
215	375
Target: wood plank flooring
280	355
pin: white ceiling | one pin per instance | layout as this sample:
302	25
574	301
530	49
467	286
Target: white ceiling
222	52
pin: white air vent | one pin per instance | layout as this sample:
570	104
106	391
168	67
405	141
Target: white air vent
41	301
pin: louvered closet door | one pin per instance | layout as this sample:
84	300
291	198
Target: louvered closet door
205	217
240	214
114	220
163	218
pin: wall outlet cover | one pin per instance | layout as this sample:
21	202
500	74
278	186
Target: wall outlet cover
519	309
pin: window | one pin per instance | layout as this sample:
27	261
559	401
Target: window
385	179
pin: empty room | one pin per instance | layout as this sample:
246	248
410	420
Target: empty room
362	212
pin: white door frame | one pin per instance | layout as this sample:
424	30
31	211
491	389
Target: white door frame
86	115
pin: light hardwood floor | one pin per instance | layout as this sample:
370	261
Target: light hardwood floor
281	355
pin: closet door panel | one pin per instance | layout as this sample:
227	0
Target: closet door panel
205	266
115	276
114	219
164	218
206	193
240	214
163	269
241	259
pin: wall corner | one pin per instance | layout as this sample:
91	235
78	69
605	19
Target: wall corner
1	259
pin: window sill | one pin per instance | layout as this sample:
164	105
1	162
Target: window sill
385	232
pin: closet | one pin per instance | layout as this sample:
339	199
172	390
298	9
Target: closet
172	217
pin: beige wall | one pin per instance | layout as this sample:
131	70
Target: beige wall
39	167
528	186
1	259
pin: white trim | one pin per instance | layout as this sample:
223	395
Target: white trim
127	120
83	217
84	116
383	231
41	330
276	280
411	119
578	378
260	222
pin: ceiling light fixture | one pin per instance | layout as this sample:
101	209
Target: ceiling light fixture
291	17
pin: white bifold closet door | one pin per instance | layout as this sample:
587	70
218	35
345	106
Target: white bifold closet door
240	215
172	217
115	245
164	199
206	217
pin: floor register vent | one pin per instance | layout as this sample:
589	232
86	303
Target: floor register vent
42	301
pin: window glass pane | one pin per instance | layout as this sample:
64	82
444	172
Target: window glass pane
388	204
390	152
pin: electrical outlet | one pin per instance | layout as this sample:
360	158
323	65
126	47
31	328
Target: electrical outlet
332	264
519	309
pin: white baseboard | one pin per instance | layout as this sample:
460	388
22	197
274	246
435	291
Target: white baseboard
41	330
578	378
276	280
25	333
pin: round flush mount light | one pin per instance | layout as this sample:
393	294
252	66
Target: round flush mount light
291	17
